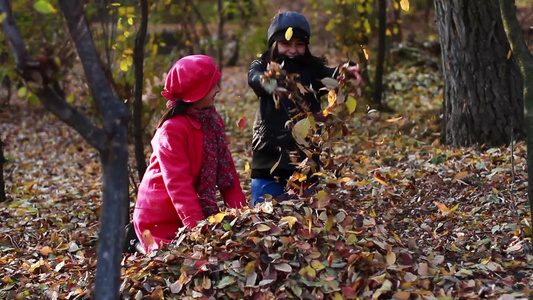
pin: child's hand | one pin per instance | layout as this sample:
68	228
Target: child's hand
355	72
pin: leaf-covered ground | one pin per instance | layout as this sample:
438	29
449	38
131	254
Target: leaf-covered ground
401	216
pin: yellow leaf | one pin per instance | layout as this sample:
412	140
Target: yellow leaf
308	271
317	265
367	54
288	34
391	258
217	218
263	228
380	181
289	219
250	268
444	209
275	165
460	176
124	65
509	54
337	296
2	17
332	97
351	104
404	5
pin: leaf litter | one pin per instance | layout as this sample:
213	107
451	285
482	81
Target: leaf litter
402	217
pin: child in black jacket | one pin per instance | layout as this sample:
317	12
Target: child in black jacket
272	140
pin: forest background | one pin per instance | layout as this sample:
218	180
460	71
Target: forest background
401	214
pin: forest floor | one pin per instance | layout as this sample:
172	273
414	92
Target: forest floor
403	216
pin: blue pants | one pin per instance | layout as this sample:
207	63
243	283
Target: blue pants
261	187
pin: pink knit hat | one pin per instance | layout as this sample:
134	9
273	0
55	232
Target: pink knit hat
191	78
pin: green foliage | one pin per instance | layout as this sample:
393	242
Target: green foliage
351	23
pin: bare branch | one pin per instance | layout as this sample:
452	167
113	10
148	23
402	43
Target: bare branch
110	109
138	60
68	114
16	43
46	94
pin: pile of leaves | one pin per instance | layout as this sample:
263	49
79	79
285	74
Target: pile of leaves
424	221
322	248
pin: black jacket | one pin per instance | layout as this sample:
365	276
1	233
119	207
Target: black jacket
271	138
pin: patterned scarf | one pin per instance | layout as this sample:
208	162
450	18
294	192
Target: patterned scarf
216	161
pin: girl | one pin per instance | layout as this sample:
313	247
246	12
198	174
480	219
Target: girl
272	140
190	157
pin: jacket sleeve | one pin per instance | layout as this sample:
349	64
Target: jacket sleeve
254	78
178	177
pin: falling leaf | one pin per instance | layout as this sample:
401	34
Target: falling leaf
241	123
44	7
351	104
288	34
404	4
301	130
148	239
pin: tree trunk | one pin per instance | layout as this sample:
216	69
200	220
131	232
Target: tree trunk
220	40
483	88
525	61
110	141
2	183
138	59
378	79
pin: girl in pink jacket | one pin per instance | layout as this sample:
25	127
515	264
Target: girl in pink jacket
190	157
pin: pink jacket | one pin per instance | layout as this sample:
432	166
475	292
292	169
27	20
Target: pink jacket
167	198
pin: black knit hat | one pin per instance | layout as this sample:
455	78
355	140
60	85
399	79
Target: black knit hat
283	21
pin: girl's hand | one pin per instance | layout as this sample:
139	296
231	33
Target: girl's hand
355	72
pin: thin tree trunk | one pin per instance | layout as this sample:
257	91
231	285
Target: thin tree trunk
525	61
483	88
378	81
2	182
220	36
110	141
138	60
114	156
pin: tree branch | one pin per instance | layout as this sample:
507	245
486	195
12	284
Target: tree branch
71	116
514	34
16	43
100	89
138	60
46	93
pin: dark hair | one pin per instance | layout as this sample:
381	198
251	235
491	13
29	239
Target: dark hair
172	111
272	54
